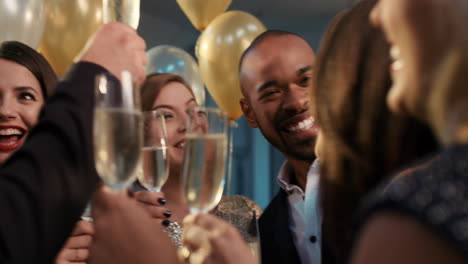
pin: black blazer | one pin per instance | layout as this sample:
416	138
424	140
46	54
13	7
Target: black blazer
46	184
276	241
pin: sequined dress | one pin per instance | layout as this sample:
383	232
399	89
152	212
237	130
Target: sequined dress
435	194
238	210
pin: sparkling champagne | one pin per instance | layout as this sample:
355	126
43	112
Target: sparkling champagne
117	145
155	168
205	160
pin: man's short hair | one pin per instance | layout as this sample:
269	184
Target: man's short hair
260	38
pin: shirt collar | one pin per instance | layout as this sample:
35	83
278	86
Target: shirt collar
285	173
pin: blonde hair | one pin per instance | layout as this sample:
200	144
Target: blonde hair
448	99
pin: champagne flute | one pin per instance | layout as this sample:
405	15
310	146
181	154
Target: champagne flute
117	131
204	161
205	158
155	157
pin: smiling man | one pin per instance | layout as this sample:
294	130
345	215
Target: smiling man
274	75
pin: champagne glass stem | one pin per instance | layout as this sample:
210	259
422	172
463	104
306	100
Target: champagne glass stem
155	189
230	150
86	216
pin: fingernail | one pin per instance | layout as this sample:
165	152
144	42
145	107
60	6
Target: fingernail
167	214
161	201
166	223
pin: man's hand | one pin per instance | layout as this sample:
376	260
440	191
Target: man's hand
126	233
76	249
117	47
211	240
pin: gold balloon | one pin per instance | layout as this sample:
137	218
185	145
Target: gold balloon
219	50
202	12
70	23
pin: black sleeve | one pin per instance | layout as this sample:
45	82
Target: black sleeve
45	185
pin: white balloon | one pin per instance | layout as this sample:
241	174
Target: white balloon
22	20
170	59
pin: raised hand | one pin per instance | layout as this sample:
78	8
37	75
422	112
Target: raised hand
117	47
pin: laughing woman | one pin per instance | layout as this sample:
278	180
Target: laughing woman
361	142
423	217
26	80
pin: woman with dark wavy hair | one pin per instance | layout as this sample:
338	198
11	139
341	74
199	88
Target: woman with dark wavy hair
26	81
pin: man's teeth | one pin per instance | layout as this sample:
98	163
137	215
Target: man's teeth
303	125
181	145
397	61
10	132
397	65
395	52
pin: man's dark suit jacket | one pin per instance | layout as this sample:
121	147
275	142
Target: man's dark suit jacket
276	241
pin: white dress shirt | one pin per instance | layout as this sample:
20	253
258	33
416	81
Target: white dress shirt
305	216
